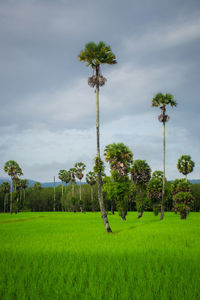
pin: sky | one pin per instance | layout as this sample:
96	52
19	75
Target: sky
48	114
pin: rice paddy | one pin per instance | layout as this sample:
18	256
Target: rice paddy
60	255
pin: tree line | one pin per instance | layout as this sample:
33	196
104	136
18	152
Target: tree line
130	187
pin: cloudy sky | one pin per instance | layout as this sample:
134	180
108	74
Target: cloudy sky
47	115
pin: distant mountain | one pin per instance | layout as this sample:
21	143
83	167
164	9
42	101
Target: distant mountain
51	184
193	181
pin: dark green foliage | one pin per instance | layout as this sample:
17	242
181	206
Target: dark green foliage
185	165
140	175
157	174
154	193
118	190
196	193
140	172
182	197
182	203
181	185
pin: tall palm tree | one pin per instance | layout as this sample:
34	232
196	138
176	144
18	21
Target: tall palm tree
91	180
95	55
80	167
162	100
185	165
5	189
12	168
140	175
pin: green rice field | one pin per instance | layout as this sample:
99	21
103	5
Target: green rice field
59	255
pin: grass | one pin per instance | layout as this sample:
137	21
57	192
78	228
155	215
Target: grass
70	256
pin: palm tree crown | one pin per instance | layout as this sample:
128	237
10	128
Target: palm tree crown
162	100
119	156
185	164
97	54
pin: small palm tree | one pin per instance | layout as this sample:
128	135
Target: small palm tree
12	168
91	180
96	55
5	189
162	100
185	165
140	175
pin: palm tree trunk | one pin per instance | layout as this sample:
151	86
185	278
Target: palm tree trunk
99	180
11	195
163	188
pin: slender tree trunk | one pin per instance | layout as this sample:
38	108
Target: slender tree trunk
11	187
163	187
99	180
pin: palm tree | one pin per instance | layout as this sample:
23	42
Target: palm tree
95	55
80	167
140	175
12	168
91	180
5	189
185	165
120	158
162	100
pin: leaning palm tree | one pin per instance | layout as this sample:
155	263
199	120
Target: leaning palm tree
185	165
95	55
13	169
161	100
